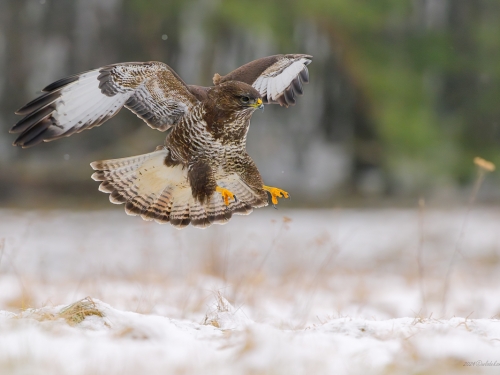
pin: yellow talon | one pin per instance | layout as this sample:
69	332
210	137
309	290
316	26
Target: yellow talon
275	193
226	194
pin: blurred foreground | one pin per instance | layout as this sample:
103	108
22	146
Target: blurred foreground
277	292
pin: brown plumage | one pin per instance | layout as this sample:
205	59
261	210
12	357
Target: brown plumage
202	175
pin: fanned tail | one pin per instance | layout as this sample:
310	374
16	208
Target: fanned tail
151	189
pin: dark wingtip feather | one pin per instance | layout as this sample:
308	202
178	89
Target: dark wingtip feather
290	95
35	140
297	85
32	120
38	103
282	101
33	135
61	83
304	75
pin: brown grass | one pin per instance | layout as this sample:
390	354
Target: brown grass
73	314
78	311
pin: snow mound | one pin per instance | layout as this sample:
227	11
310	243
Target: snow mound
91	337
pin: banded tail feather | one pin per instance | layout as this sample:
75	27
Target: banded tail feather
151	189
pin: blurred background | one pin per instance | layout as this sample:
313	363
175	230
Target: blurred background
403	93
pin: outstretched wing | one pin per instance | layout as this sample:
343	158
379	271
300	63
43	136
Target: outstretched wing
152	90
278	78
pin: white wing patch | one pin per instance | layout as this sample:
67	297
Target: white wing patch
273	82
151	90
83	105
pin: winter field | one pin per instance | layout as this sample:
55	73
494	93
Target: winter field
277	292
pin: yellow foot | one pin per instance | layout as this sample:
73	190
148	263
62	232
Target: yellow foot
226	194
275	193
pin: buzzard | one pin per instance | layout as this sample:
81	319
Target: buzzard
202	174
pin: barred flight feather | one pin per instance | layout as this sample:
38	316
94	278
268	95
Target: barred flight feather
151	90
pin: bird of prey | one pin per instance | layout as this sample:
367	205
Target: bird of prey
202	174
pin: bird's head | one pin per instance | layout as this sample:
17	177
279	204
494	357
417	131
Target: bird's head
236	96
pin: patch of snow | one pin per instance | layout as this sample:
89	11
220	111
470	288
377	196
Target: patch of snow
288	292
124	342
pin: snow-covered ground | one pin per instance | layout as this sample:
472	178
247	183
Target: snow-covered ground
277	292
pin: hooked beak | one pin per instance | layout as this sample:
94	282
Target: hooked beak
258	104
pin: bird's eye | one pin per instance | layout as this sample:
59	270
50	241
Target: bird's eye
245	99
